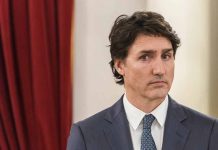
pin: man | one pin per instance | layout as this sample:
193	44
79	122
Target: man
143	48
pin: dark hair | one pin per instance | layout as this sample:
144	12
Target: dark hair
127	28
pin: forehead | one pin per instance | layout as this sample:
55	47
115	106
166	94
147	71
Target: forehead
150	43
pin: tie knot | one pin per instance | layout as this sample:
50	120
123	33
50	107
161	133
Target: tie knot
148	120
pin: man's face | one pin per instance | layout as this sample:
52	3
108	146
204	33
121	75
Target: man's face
148	70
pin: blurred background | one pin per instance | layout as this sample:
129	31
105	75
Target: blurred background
54	63
196	80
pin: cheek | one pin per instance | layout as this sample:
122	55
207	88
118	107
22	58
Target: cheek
135	74
171	71
170	66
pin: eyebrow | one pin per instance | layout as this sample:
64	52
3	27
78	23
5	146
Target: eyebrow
167	50
153	51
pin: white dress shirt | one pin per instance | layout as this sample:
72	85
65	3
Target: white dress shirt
135	116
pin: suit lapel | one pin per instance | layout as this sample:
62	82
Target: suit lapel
175	134
117	132
118	135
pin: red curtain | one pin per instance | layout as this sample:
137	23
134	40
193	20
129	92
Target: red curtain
35	74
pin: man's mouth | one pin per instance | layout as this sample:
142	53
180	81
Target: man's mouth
157	82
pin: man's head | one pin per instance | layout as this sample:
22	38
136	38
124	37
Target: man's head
127	28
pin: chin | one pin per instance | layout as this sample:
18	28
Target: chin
158	95
159	98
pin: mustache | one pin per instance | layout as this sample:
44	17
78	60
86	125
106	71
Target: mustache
158	80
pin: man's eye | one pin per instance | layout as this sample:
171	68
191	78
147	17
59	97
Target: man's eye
167	56
144	57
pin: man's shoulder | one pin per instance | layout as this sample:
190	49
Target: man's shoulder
195	116
203	129
102	117
92	120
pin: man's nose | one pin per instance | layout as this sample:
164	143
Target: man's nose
159	67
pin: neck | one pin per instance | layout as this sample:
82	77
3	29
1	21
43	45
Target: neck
144	104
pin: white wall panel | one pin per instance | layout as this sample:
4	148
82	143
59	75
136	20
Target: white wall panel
191	20
94	86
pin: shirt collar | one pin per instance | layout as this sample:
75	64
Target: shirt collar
135	115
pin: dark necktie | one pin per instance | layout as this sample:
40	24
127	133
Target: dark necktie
147	141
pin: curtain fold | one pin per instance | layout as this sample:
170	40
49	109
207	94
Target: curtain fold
35	74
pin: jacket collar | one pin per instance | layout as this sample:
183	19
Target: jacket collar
117	132
175	134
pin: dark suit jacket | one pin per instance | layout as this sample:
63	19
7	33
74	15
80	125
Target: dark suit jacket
185	129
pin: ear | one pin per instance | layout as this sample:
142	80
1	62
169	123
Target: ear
120	66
